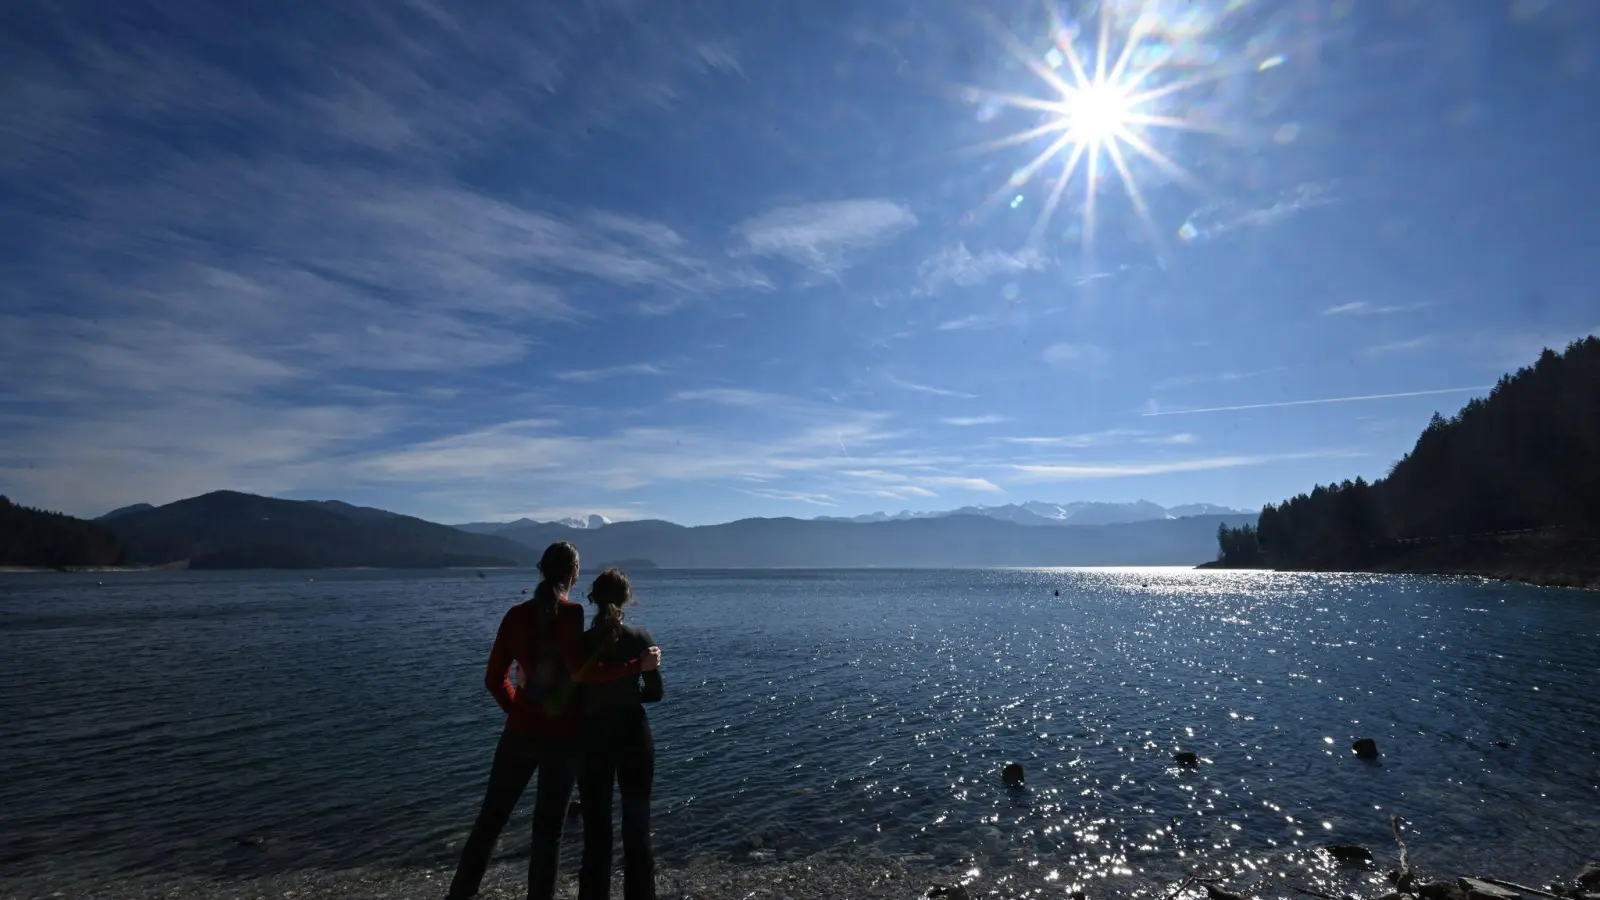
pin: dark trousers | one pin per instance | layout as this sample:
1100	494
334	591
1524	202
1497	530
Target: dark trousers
626	756
516	758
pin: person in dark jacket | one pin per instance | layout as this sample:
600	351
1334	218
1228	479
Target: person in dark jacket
544	637
617	747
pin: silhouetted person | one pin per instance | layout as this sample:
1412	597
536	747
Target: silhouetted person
617	746
544	637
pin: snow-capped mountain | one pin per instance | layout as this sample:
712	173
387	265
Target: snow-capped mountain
1076	513
585	522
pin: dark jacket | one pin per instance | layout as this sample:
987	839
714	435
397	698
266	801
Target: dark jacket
620	702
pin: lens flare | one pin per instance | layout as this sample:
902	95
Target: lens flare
1101	112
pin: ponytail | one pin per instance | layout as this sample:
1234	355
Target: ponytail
557	568
609	593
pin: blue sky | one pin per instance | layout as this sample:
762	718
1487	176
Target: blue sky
705	260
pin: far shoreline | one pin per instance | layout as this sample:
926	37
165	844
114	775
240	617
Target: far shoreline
1584	581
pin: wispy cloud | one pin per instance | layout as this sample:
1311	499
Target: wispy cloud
1188	380
1180	439
790	496
1285	403
742	397
824	236
1085	439
1083	357
1394	347
929	389
1108	437
956	265
1216	219
627	458
585	375
1090	471
916	481
1363	308
973	322
970	421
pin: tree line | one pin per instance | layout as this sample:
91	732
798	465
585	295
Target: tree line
1527	456
36	537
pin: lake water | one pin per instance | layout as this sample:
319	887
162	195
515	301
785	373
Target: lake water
152	721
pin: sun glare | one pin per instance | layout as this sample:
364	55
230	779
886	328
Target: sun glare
1096	113
1100	112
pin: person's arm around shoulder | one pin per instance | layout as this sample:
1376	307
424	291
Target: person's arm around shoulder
585	669
653	689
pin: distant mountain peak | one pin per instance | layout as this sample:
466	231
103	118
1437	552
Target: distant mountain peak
587	523
1078	512
123	511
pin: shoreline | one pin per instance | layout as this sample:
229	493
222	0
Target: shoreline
1586	582
1332	872
1552	560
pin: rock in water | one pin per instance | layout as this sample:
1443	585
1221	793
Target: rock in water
1216	893
1590	876
1366	748
1503	745
1348	853
949	892
1483	890
1441	890
574	809
1186	759
1012	774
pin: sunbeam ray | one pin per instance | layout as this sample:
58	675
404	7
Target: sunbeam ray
1102	101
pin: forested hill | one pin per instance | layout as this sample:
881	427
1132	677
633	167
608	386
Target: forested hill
34	537
1524	459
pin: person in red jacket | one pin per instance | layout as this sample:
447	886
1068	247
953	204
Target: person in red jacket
544	637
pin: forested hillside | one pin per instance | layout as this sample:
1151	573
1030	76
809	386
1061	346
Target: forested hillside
35	537
1523	460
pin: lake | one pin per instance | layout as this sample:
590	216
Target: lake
170	726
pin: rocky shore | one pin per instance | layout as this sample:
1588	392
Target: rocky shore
1332	872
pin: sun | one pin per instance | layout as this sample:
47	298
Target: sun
1096	113
1100	112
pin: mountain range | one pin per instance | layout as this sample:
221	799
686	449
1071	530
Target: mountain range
584	522
230	530
227	529
1077	513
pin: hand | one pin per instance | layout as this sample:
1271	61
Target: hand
650	660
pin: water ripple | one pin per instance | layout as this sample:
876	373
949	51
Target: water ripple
155	720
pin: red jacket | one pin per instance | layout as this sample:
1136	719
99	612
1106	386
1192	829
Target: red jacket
519	639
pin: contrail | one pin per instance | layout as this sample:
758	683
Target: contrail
1213	409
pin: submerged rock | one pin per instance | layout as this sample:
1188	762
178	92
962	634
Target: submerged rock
1366	748
1348	853
1483	890
1216	893
1590	876
1186	759
949	892
1012	774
